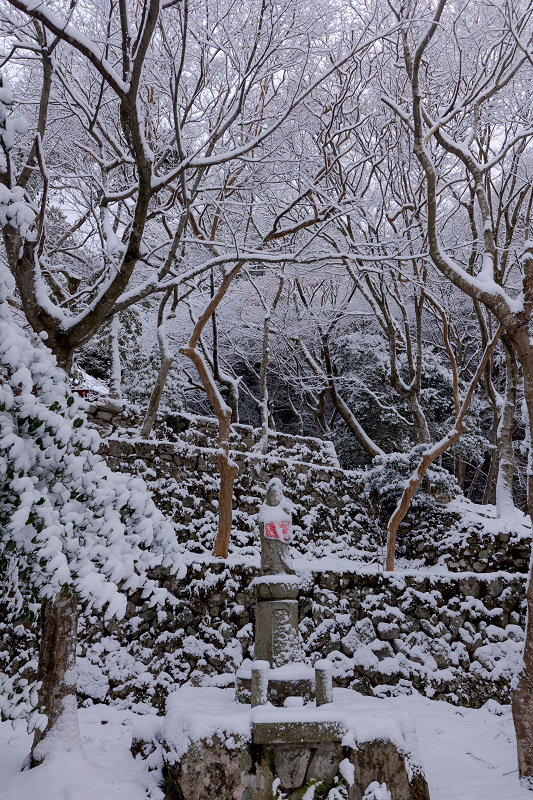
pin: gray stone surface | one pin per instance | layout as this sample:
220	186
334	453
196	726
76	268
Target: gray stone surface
381	761
323	682
259	683
210	771
276	632
291	764
265	589
297	732
325	762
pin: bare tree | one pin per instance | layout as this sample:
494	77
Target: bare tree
439	448
452	120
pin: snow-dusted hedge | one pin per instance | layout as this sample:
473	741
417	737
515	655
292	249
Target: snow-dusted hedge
66	520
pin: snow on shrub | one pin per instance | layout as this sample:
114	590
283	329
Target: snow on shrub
66	520
385	481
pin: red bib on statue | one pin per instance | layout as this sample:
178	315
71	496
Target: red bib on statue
279	530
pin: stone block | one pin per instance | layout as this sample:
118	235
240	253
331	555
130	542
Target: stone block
276	587
470	587
259	683
383	763
294	732
495	587
324	764
388	631
291	762
276	632
323	682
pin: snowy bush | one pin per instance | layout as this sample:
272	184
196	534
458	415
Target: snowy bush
66	520
384	482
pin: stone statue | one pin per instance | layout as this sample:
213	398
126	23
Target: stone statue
275	526
276	591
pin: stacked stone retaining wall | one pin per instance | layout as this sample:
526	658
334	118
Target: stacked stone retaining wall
454	637
331	512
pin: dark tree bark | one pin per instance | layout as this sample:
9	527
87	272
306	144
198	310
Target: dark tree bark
57	674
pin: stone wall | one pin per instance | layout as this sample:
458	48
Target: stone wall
455	637
112	417
331	512
441	537
181	470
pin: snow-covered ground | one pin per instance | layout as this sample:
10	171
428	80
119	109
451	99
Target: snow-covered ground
105	770
467	755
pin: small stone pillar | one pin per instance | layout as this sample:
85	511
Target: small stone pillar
276	592
259	687
323	682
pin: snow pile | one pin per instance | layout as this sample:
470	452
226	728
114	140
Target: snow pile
377	791
105	769
195	714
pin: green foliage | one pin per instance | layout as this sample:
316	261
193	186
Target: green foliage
362	365
385	480
362	362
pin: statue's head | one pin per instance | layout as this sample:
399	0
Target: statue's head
274	492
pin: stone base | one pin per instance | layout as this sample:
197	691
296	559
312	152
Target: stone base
297	724
295	732
283	682
209	753
211	771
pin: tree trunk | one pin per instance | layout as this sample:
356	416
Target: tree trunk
504	484
419	419
155	397
344	412
56	669
57	673
523	688
234	402
368	445
493	462
412	485
232	385
431	455
167	359
115	382
228	470
263	387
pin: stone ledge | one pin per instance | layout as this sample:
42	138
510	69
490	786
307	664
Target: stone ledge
297	732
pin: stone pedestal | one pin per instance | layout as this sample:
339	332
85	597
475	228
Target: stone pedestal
277	638
217	749
295	725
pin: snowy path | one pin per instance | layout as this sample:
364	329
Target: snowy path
467	755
